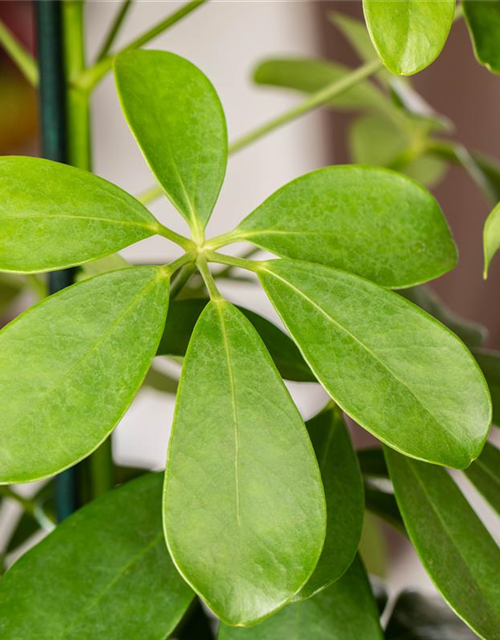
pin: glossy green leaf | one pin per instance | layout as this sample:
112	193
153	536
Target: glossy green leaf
372	222
408	34
345	611
425	617
235	514
103	573
484	474
55	216
491	237
391	367
182	318
182	132
309	75
72	365
343	487
483	20
472	333
458	553
489	361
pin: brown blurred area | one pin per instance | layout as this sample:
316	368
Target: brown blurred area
18	100
469	95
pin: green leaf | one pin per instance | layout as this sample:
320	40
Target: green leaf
182	132
484	474
235	514
483	20
10	287
472	333
491	237
183	315
489	362
103	573
408	34
309	75
425	617
372	222
355	32
344	499
377	141
72	365
345	611
458	553
56	216
391	367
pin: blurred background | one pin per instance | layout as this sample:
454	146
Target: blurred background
227	39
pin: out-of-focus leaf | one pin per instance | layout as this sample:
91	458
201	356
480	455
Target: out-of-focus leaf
161	381
103	573
373	547
183	315
489	361
96	267
345	611
410	34
377	141
310	75
11	286
484	474
425	617
343	487
458	553
472	333
483	20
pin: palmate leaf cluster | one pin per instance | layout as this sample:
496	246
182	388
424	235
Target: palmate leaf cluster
262	514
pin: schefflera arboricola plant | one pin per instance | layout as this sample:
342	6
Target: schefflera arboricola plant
258	510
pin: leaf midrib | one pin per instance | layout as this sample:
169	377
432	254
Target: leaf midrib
19	218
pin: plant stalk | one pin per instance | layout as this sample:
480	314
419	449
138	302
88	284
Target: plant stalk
87	80
115	29
18	54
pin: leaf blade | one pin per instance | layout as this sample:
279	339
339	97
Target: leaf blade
345	611
385	371
185	145
235	500
357	219
484	473
456	550
344	495
408	35
60	589
55	216
483	21
104	329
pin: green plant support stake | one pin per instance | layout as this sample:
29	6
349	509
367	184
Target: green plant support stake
53	133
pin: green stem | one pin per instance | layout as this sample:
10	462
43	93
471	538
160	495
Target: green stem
87	80
30	506
208	279
249	265
312	102
114	30
182	241
19	55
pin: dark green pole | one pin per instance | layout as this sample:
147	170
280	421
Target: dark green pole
54	147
